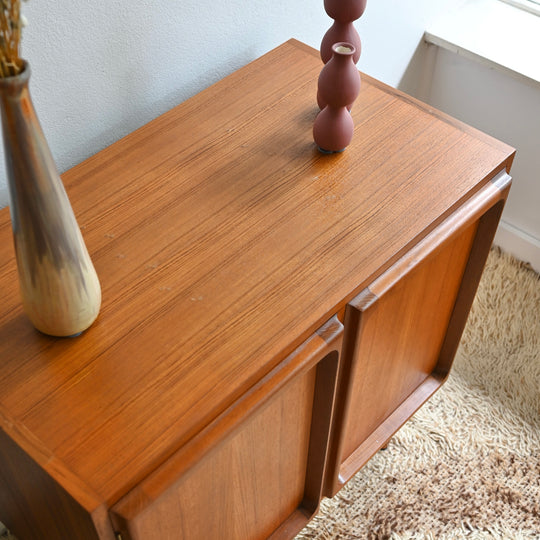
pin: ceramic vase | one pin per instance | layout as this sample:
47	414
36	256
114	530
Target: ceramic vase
338	87
60	290
339	79
333	129
344	13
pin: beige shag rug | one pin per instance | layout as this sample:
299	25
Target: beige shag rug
467	465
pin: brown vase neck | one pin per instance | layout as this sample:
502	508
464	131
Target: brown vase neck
343	52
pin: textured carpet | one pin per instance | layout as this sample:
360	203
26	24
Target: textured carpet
467	465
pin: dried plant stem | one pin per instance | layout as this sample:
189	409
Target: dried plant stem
10	38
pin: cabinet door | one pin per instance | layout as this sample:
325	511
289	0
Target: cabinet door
258	469
401	332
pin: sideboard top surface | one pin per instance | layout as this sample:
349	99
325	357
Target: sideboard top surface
222	239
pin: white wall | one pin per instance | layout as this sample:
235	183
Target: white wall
101	69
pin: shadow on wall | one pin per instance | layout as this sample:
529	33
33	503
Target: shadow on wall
501	104
416	80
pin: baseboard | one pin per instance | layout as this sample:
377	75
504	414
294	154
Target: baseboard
518	243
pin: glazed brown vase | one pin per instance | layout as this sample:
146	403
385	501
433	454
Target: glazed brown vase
60	290
338	87
344	13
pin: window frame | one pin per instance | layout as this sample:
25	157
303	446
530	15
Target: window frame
532	6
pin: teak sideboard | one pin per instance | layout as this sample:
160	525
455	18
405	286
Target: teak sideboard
271	315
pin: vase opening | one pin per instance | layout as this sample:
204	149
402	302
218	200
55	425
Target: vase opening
344	49
12	85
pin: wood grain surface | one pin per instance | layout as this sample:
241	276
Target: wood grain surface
222	240
260	465
415	312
